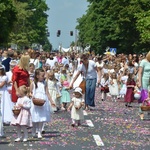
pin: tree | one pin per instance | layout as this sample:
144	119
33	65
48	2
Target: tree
31	24
47	46
115	24
143	26
7	19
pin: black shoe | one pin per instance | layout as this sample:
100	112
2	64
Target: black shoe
6	124
126	105
79	124
73	125
43	132
129	106
58	108
102	99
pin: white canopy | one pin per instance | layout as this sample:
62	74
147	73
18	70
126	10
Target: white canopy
65	49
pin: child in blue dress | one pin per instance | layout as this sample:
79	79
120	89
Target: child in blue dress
65	95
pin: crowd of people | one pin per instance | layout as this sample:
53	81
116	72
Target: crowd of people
30	78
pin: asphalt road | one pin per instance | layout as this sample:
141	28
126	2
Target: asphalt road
111	126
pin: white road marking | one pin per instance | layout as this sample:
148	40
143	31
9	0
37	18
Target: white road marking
98	140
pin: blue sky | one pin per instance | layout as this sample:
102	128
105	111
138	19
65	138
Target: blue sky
62	16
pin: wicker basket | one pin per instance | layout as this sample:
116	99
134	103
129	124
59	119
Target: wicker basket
145	108
38	102
58	95
16	111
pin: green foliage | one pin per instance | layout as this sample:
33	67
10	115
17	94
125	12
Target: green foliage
122	24
143	26
23	22
47	46
7	18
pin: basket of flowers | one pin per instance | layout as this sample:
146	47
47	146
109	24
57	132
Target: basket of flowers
145	106
16	111
39	99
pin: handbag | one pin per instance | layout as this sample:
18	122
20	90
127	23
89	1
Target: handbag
83	85
144	95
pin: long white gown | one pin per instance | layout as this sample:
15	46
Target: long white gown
52	89
6	104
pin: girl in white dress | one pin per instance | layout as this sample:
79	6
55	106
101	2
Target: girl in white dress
12	63
76	107
52	89
113	87
6	104
31	72
104	84
23	120
124	79
40	114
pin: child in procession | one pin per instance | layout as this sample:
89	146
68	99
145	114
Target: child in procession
23	120
52	89
40	114
113	87
76	107
104	86
6	104
129	97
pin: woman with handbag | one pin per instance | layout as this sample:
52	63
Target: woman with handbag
144	78
89	70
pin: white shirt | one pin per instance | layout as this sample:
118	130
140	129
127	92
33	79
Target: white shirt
51	62
91	71
65	61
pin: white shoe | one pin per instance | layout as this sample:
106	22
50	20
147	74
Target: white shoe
18	139
39	136
25	140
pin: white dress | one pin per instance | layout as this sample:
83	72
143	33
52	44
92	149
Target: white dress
9	87
6	104
77	114
124	87
40	113
52	89
9	76
113	89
